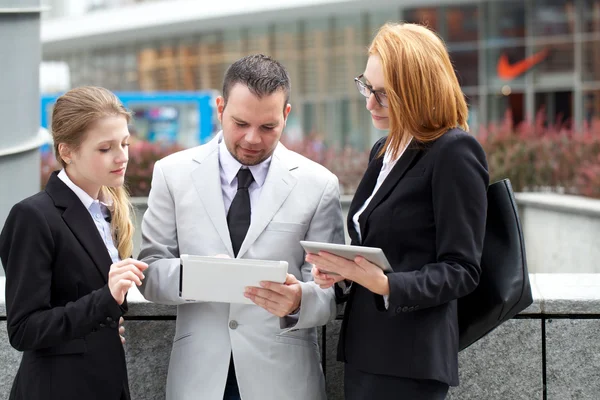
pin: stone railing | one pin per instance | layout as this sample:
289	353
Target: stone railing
550	351
560	231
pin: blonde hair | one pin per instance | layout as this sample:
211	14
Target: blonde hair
73	114
424	97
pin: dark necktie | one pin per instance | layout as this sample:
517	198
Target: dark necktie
238	217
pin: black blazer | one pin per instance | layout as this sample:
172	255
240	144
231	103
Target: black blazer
429	218
60	312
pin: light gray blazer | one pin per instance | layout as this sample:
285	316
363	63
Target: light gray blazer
275	358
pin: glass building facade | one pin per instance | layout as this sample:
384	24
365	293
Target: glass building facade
515	59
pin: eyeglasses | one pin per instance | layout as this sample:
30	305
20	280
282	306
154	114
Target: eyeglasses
366	91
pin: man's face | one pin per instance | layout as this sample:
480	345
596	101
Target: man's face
251	125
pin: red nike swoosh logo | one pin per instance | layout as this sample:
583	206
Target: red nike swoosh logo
508	71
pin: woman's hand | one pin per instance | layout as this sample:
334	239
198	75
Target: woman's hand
122	275
323	279
359	270
122	330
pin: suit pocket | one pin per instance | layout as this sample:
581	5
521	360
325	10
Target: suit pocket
182	339
75	346
286	227
295	340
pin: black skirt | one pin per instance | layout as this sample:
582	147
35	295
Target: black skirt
359	385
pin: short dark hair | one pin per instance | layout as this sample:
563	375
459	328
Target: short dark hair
260	73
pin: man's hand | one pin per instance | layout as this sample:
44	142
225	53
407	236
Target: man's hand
280	299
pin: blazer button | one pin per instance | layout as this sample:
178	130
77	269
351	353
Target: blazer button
233	324
109	319
416	307
398	310
404	309
411	309
113	325
101	325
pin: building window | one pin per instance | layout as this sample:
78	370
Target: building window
554	108
259	40
466	64
553	18
234	46
507	107
462	23
315	57
375	19
428	16
506	20
349	54
286	42
591	61
474	119
591	111
591	16
557	66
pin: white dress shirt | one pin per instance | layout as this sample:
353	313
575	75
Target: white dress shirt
99	212
229	167
386	168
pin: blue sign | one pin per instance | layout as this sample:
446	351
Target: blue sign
185	118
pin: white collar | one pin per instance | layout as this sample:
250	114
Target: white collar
387	158
85	198
231	166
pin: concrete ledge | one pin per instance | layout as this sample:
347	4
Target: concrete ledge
568	294
560	232
552	294
554	339
560	202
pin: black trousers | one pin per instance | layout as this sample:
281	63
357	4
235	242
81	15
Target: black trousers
232	391
359	385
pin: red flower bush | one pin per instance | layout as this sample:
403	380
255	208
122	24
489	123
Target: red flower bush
142	156
549	157
348	164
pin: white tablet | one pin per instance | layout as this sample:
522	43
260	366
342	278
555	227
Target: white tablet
373	254
225	279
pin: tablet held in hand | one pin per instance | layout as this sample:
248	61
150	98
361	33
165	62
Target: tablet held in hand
225	279
372	254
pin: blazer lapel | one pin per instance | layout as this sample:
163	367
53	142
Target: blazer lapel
363	191
404	163
80	222
207	180
277	187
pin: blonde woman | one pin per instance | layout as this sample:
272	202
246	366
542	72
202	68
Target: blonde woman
423	201
65	252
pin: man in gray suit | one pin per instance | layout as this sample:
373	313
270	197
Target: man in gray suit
244	195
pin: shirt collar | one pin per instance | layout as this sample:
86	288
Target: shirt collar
387	158
231	166
85	198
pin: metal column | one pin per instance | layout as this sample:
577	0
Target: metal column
20	136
